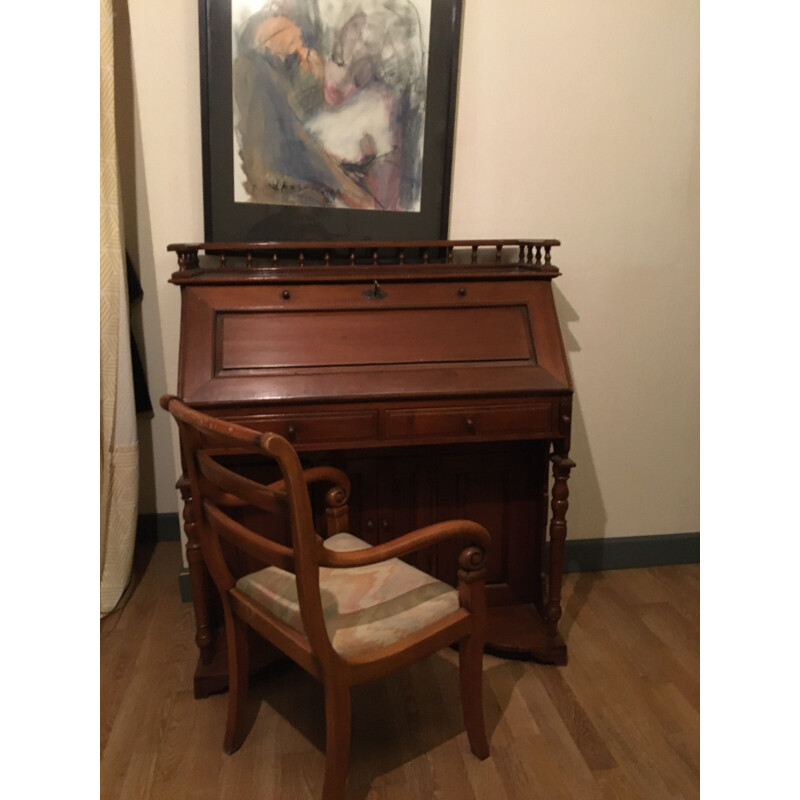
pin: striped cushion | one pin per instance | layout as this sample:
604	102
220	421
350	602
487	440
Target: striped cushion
364	607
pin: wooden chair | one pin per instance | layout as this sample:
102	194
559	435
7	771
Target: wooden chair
345	611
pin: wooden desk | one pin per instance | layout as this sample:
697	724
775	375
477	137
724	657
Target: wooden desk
433	373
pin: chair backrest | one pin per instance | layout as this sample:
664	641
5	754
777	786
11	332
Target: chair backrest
216	489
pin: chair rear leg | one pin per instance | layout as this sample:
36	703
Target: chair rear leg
337	739
470	658
238	679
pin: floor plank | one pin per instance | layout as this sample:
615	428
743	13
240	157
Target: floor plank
621	720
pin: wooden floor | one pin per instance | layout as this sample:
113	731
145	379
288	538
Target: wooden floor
620	721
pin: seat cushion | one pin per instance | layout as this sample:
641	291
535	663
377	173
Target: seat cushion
364	607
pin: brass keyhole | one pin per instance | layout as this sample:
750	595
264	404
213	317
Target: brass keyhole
375	293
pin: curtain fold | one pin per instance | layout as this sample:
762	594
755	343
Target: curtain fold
119	452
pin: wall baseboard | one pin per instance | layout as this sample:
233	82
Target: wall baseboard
628	552
580	555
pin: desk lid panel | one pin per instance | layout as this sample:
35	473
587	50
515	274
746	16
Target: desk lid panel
314	338
276	343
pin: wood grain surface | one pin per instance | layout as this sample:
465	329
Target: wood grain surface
621	720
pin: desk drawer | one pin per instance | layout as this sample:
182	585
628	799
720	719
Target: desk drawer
456	422
322	428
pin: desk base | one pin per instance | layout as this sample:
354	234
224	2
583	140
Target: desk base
519	632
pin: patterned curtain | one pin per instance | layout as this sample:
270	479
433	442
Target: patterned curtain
119	456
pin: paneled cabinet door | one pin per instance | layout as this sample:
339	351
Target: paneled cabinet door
408	501
390	495
497	488
503	486
497	485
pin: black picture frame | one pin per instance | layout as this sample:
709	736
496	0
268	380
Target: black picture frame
229	221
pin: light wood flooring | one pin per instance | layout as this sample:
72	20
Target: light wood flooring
622	720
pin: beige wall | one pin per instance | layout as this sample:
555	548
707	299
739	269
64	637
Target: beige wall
577	120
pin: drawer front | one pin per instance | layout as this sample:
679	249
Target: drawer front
524	420
322	428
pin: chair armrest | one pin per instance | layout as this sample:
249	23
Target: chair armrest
473	533
318	474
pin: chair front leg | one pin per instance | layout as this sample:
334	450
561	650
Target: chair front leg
472	596
238	679
337	738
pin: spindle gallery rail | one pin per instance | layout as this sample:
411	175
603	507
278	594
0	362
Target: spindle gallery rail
530	253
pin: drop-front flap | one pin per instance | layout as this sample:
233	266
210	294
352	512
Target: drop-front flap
244	344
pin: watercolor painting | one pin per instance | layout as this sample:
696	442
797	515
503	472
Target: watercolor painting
329	102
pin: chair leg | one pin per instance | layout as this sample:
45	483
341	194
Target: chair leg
337	739
238	678
470	659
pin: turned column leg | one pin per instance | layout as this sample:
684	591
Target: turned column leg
337	512
540	521
198	576
558	533
472	596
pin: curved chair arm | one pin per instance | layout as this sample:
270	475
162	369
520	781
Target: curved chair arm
475	534
317	474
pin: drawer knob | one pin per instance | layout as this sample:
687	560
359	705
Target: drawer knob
291	433
385	524
286	294
370	525
462	292
470	423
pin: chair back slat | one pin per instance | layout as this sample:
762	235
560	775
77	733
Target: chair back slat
250	492
276	555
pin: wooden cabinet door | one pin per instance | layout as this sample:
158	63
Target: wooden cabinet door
391	494
407	501
494	487
499	485
364	514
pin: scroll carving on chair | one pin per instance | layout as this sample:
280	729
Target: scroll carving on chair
345	611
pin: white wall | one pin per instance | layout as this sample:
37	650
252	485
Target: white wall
577	120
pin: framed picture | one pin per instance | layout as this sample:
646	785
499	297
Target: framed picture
328	120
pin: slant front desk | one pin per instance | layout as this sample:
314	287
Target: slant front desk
432	373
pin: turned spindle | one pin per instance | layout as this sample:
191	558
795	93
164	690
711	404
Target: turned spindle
198	574
558	534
